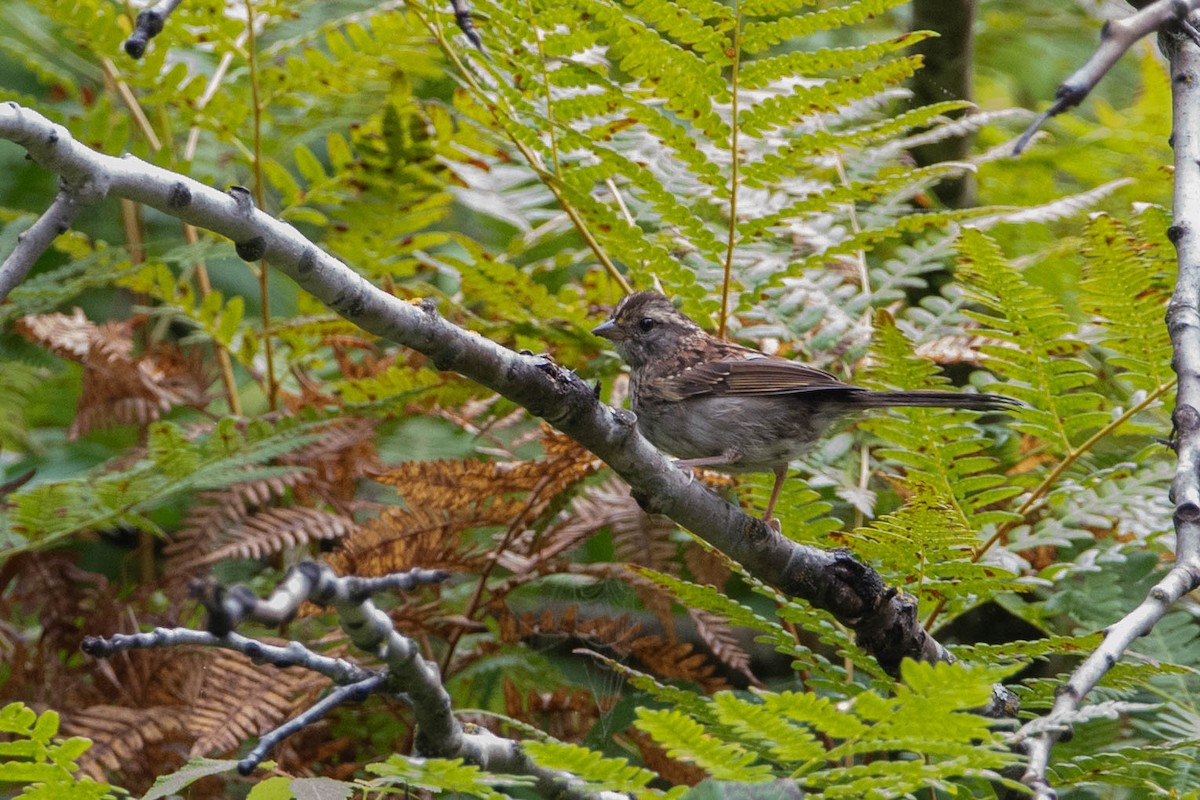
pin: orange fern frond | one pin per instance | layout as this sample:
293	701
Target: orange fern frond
274	530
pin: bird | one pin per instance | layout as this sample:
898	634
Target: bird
714	403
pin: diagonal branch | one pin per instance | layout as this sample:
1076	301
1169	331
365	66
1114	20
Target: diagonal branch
35	239
1117	36
883	618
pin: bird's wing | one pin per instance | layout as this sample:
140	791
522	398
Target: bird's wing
752	376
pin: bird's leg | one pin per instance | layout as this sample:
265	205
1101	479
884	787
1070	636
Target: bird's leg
780	475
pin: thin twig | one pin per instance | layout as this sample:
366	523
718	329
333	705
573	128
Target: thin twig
1117	36
36	239
735	159
149	23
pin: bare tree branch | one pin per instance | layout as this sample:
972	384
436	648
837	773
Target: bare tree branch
405	674
1183	321
150	22
55	221
1116	37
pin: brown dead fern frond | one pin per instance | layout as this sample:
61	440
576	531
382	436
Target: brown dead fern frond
274	530
402	537
119	386
135	743
51	604
240	520
707	566
452	484
608	632
566	714
677	661
203	529
673	771
239	700
718	636
336	462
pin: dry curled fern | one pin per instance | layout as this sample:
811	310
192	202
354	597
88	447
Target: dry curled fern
120	386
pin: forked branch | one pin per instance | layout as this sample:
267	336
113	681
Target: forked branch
405	673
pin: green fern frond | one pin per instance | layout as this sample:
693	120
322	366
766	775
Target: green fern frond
42	514
34	756
854	748
687	740
925	548
611	774
760	73
783	110
689	702
1026	650
941	449
824	674
794	156
759	36
707	598
16	390
1126	285
440	775
892	181
781	725
57	287
1040	354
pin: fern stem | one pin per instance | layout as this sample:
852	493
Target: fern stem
860	257
224	363
537	38
130	100
734	162
433	24
1052	477
477	596
189	232
260	199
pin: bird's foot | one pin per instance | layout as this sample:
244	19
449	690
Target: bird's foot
686	469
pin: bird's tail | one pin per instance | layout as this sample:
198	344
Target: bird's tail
936	399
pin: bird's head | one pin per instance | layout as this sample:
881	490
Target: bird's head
645	326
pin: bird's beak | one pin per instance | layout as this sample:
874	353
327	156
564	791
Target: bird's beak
609	330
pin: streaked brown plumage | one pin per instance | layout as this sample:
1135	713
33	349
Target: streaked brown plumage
713	403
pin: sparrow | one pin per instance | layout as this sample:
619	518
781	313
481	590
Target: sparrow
714	403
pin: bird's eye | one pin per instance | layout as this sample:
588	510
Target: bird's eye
646	324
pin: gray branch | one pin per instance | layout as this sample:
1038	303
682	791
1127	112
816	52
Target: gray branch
150	23
405	674
884	619
1183	321
1117	36
35	240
